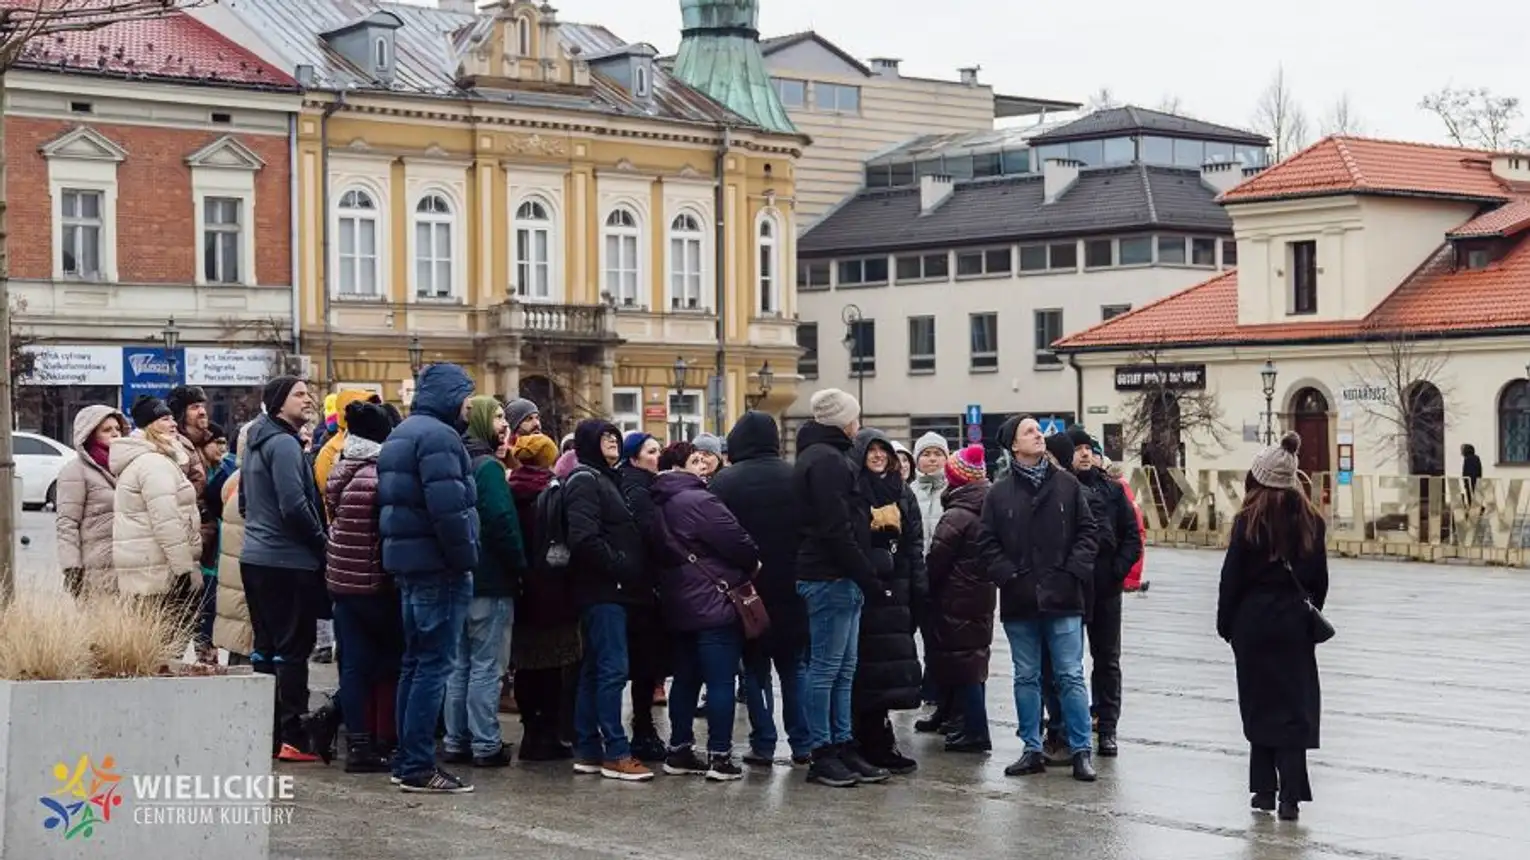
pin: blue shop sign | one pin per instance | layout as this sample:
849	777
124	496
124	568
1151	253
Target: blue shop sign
151	370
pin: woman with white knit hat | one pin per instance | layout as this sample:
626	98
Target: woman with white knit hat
1277	561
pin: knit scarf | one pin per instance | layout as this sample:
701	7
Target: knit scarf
1034	474
99	453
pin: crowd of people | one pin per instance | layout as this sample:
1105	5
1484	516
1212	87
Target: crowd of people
462	541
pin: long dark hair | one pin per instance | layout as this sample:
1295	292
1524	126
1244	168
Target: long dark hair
1283	523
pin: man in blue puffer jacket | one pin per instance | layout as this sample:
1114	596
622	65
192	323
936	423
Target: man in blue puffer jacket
428	520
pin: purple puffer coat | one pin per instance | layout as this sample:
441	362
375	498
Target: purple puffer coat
702	544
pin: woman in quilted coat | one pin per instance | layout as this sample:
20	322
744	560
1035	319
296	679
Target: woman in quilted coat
232	630
87	492
156	527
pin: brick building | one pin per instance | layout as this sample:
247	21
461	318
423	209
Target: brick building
150	196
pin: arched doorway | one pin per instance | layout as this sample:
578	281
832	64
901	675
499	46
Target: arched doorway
1163	449
1309	418
1424	414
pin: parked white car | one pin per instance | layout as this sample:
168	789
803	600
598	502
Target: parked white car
38	461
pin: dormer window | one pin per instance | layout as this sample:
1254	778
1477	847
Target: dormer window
380	53
641	85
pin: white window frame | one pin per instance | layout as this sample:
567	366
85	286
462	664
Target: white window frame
380	53
530	227
237	228
615	269
692	422
677	272
627	422
435	222
926	361
84	160
374	216
989	358
81	222
768	285
640	81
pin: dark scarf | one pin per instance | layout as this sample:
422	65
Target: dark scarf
884	489
1035	475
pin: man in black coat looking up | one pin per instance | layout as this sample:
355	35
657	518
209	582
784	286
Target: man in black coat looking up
757	488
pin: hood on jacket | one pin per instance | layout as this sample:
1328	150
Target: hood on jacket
346	398
813	433
968	496
88	419
129	448
263	430
441	391
863	442
587	442
671	484
357	448
754	437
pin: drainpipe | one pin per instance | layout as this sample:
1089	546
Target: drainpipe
719	415
329	346
1078	381
297	256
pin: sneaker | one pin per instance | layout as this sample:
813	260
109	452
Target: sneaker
292	754
498	758
1033	762
801	760
722	768
759	759
864	770
827	769
396	780
647	748
965	743
1055	748
684	762
626	769
456	756
439	782
1083	767
587	765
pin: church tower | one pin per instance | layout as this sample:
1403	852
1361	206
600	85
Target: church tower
720	55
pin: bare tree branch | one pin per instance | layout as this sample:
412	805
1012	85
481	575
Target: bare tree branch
1278	116
1160	417
1342	118
1392	390
1171	103
1474	117
1104	99
23	21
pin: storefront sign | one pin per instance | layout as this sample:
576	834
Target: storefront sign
654	413
149	370
74	365
231	367
1138	377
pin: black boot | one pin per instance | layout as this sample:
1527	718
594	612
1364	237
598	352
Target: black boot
965	743
892	760
828	769
323	727
864	770
1288	811
1083	767
361	755
1262	801
1108	746
933	723
1033	762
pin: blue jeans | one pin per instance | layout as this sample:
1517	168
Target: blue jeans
710	657
478	667
598	732
435	608
834	629
762	721
973	700
1063	638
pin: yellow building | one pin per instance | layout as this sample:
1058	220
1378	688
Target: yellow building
537	201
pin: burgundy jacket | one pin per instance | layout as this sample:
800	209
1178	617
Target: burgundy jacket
353	553
703	545
545	600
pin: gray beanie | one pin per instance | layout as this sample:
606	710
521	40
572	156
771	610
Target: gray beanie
931	440
708	443
834	408
1276	467
519	410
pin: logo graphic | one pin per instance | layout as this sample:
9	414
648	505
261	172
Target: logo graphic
84	798
144	363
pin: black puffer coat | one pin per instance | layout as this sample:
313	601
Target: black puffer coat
836	518
1038	544
757	488
888	675
960	631
607	548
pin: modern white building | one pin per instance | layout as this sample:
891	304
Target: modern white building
961	285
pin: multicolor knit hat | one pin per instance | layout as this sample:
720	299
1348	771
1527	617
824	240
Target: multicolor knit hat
966	466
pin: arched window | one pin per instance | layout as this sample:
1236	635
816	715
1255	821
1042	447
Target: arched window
770	300
533	251
523	36
685	262
433	247
357	275
640	82
1514	423
380	51
621	262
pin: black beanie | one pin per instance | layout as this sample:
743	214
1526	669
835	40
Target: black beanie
275	395
1061	447
395	417
215	432
181	398
147	409
1079	436
368	421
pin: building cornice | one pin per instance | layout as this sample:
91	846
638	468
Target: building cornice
152	91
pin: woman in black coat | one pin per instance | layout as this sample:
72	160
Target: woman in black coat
888	674
648	645
1277	557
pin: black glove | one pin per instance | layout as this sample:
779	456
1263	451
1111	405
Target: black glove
74	580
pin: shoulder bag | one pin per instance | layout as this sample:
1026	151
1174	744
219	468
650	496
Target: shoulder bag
1322	629
745	598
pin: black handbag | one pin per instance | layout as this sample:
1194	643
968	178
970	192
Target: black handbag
1322	628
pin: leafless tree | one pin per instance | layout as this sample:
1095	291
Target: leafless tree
1278	116
1103	99
22	22
1400	391
267	333
1475	117
1163	415
1342	118
1171	103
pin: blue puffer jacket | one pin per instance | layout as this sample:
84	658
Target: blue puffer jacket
429	514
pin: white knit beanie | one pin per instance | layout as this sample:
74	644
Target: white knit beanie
834	408
1275	467
931	440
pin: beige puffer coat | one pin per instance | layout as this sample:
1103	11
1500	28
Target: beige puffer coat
156	530
86	499
231	625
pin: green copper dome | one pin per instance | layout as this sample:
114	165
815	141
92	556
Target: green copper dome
720	56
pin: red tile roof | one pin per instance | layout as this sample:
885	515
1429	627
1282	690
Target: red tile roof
1357	165
170	47
1505	221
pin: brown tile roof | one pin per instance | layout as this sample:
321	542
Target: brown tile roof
1357	165
1504	221
1436	299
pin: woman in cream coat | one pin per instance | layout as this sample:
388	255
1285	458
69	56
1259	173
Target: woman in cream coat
87	492
231	623
157	529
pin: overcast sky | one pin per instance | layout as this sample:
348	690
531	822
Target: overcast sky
1215	56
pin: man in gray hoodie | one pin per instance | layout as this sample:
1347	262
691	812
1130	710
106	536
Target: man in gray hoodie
283	556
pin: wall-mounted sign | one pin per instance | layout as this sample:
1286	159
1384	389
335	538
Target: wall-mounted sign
1138	377
655	413
231	367
150	370
1365	393
74	365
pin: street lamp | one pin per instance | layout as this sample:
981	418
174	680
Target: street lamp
681	370
172	336
1267	373
416	357
851	316
766	378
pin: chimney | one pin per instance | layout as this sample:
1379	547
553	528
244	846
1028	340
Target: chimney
1057	176
1512	167
464	7
933	191
885	67
1222	176
969	75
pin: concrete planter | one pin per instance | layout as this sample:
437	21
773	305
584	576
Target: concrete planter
139	767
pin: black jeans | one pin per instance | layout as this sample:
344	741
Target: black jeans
284	613
540	696
1279	769
1104	635
369	632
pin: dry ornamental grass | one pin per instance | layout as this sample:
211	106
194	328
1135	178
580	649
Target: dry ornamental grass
54	637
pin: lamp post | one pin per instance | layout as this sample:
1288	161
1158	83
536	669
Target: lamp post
1267	374
172	336
681	370
767	377
416	357
851	316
